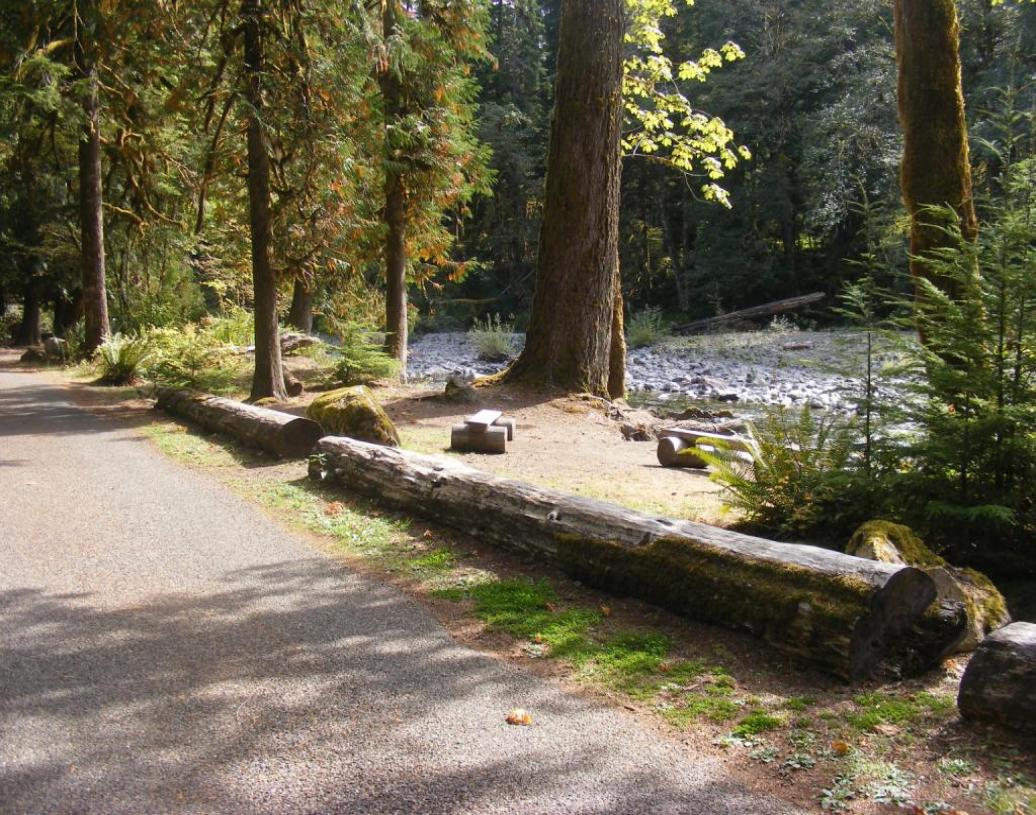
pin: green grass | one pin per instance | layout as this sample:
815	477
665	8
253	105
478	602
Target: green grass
756	722
877	708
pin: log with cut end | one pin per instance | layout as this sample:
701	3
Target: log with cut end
675	452
999	684
844	614
279	434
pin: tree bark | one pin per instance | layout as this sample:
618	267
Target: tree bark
300	315
280	434
91	216
936	168
268	380
845	614
395	209
29	332
570	343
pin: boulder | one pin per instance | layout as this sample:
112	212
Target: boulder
897	544
459	389
34	355
999	684
55	348
353	412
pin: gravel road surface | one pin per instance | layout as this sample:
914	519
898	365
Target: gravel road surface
165	648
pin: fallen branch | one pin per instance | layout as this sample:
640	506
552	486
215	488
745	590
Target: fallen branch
765	310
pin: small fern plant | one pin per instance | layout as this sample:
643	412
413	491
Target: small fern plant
794	476
120	359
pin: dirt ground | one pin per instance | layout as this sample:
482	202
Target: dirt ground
566	443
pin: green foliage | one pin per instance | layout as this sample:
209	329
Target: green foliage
120	359
493	338
796	479
756	722
362	359
647	327
192	356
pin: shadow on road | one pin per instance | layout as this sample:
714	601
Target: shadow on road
293	685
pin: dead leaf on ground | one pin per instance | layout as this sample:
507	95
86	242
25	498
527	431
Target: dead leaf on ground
840	748
334	508
606	611
886	729
519	717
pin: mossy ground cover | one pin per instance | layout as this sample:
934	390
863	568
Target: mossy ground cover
883	748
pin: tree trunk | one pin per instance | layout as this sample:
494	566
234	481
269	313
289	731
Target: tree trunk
281	434
936	169
67	312
845	614
395	210
29	332
300	315
91	216
570	341
268	380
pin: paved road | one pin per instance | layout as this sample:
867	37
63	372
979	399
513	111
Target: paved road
164	648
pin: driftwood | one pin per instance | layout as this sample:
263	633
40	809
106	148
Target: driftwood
764	310
999	684
279	434
846	615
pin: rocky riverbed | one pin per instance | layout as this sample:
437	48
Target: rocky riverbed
822	369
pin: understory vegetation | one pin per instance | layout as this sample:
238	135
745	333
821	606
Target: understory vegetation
942	439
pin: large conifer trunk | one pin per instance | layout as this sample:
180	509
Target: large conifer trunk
936	168
571	342
268	379
300	315
91	216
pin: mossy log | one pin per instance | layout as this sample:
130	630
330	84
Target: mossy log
280	434
844	614
999	684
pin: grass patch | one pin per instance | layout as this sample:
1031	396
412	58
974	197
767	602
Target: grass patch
436	562
527	609
877	708
756	722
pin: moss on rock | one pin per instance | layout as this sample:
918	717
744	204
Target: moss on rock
894	543
354	412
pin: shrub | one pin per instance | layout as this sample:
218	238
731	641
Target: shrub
362	361
120	359
75	341
193	357
646	328
493	338
799	479
234	326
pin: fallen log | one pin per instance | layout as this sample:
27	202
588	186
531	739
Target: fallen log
999	684
279	434
846	615
764	310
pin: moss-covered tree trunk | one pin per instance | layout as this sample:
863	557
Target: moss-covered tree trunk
572	341
395	216
91	216
936	169
268	380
